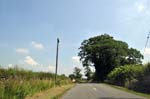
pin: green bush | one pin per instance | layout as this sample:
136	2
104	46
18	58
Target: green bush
123	74
135	77
147	69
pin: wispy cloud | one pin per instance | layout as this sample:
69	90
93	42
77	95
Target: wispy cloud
38	46
22	50
30	61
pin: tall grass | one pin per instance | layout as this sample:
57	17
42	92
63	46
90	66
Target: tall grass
18	83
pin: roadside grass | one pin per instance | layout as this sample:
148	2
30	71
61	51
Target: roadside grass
15	89
130	91
17	83
52	93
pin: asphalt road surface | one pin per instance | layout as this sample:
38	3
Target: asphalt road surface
98	91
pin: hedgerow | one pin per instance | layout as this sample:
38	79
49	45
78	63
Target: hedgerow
135	77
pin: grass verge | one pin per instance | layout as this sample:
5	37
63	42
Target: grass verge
53	93
130	91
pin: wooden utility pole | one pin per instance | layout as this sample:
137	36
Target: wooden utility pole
56	61
146	43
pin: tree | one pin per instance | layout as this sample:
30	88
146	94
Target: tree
77	73
88	73
105	53
63	76
134	56
71	76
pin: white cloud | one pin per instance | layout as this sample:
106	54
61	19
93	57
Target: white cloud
29	60
76	59
147	51
22	50
140	7
36	45
10	65
51	68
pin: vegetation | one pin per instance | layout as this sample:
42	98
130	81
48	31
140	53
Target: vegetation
77	76
105	53
88	73
52	93
123	74
135	77
115	63
18	83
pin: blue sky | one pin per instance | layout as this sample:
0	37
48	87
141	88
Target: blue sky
29	29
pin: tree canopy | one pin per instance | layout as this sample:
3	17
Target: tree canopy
105	53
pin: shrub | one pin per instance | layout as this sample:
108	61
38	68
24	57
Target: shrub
147	69
135	77
126	73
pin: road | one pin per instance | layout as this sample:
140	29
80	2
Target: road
98	91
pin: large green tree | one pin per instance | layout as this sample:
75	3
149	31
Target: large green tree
105	53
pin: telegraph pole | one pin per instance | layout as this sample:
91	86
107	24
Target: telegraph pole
56	61
147	41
